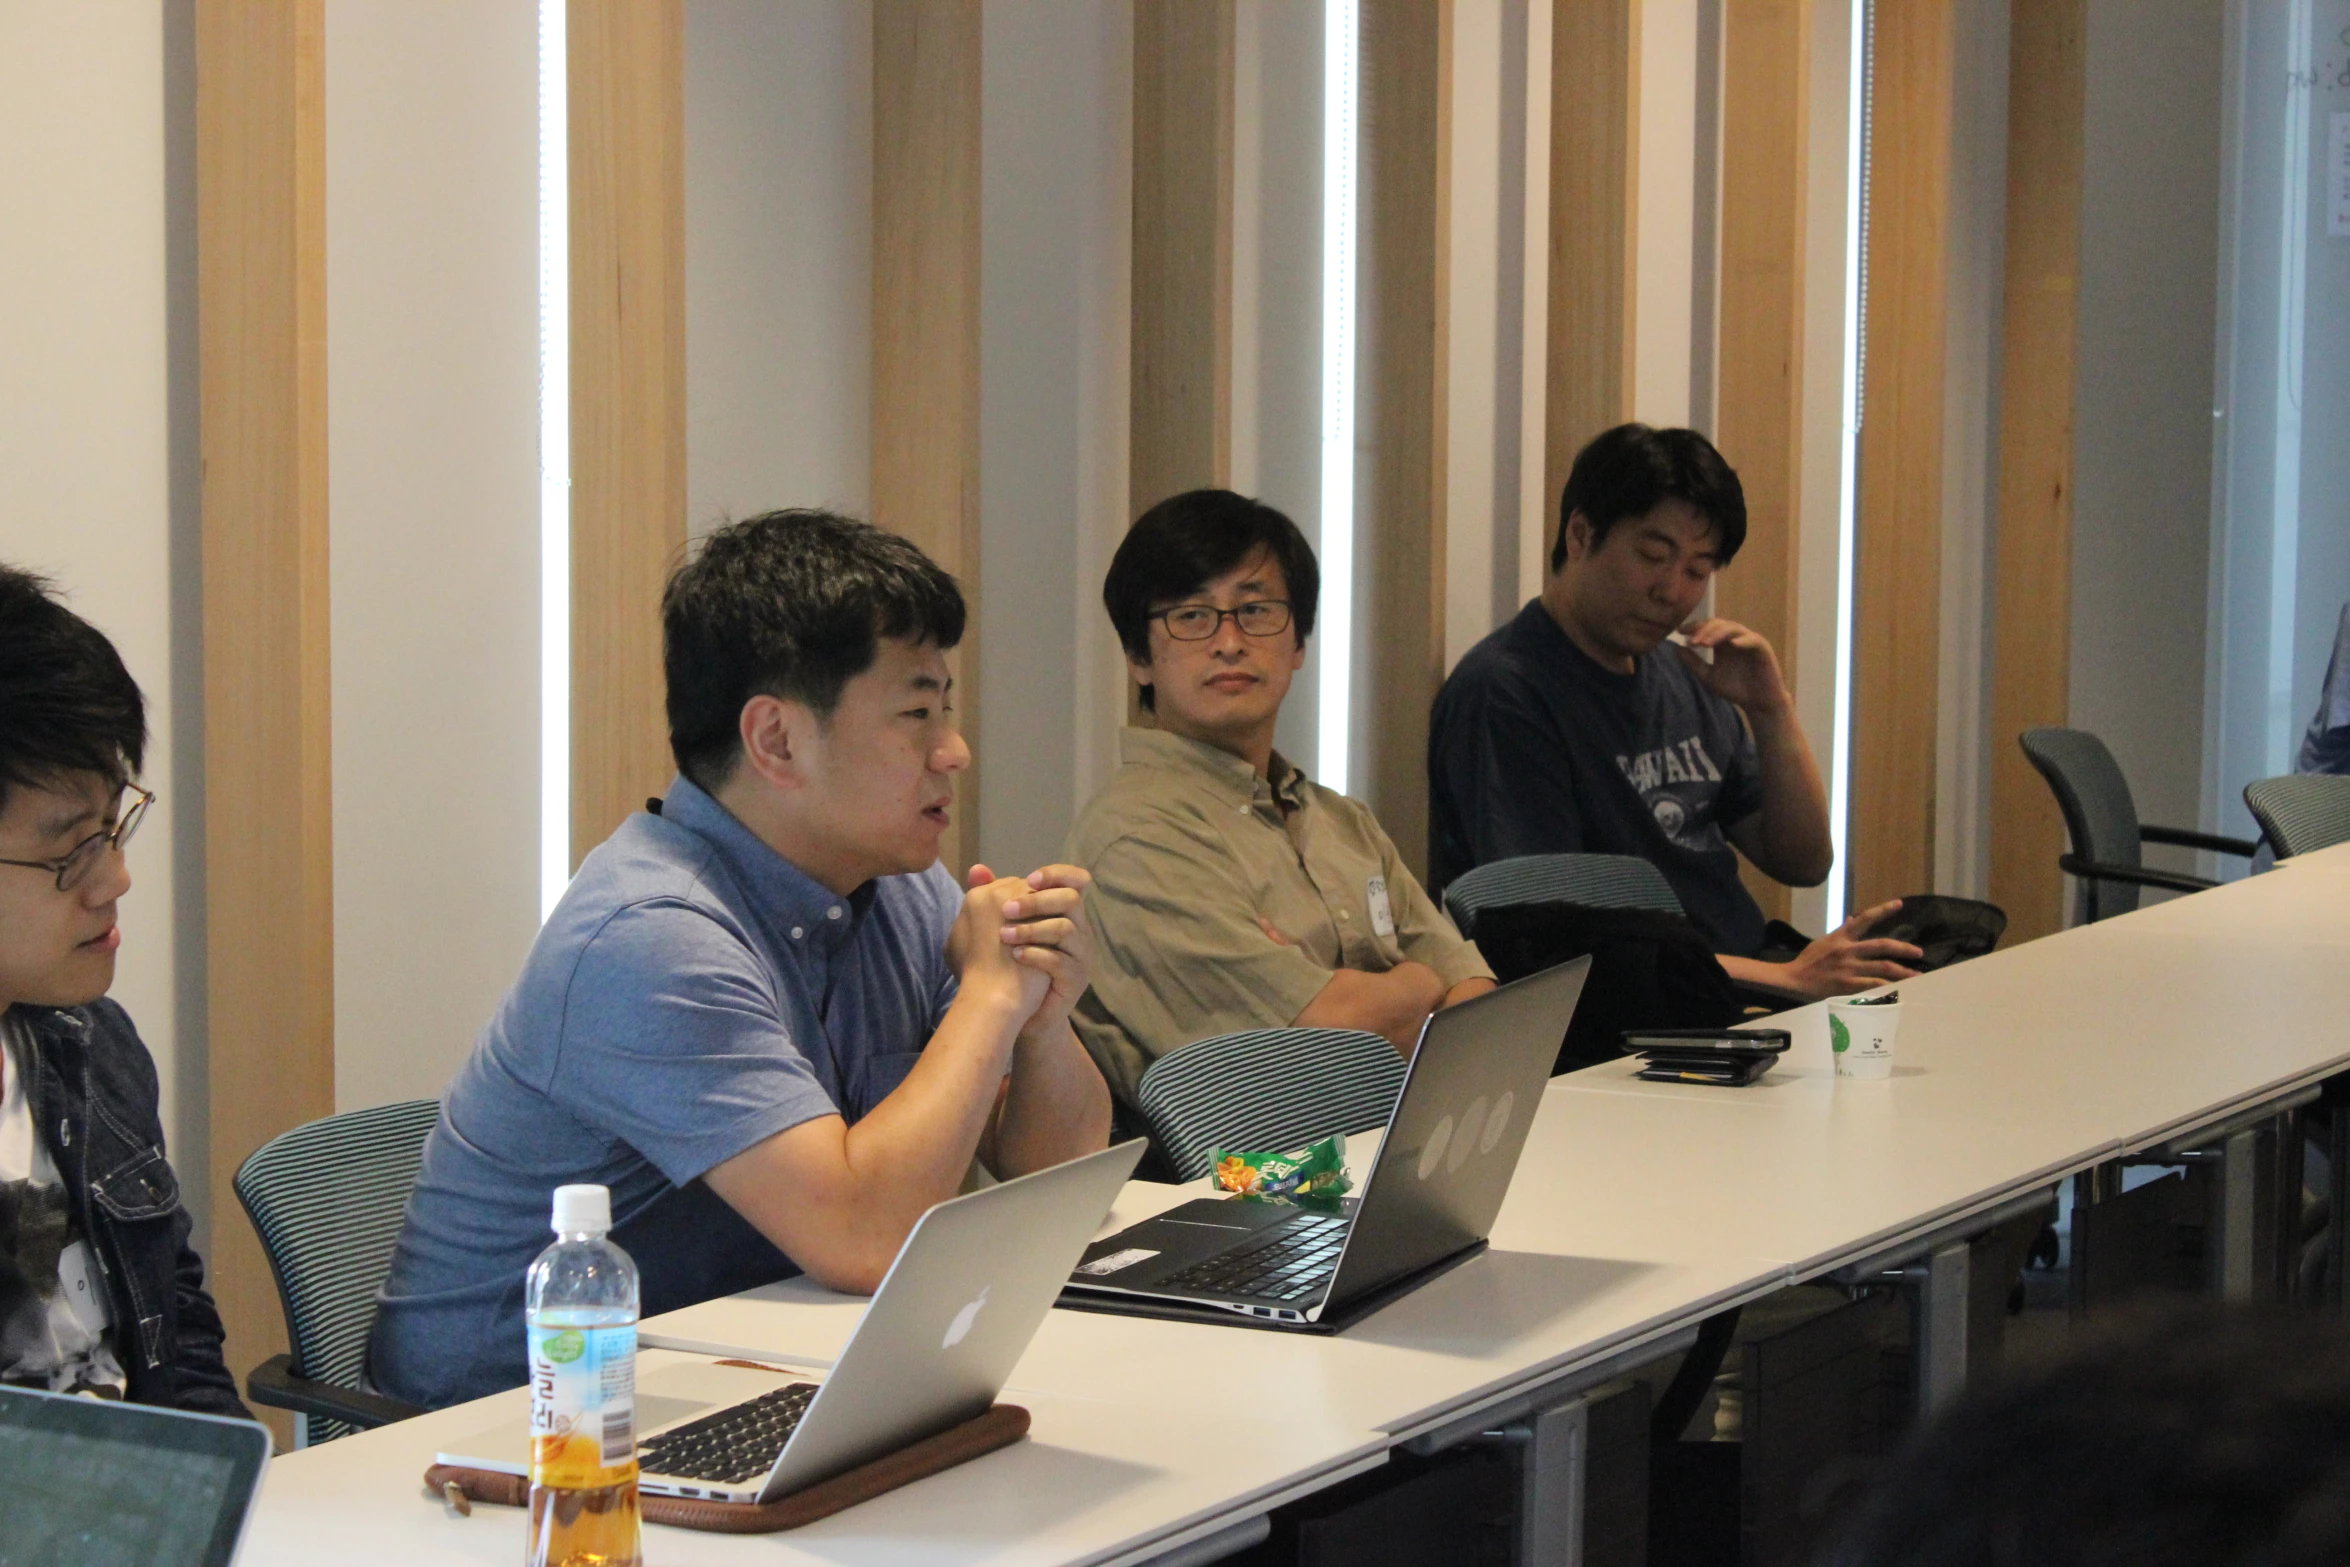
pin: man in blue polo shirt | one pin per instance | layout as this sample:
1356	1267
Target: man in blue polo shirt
763	1014
1577	729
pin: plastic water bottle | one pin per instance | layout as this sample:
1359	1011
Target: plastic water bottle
581	1307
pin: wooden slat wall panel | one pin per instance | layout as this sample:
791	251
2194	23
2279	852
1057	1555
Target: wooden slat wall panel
1406	158
1180	362
926	200
2031	631
269	843
1594	207
1766	95
627	150
1898	537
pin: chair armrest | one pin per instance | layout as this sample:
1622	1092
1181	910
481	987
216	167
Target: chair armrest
1753	995
2137	875
2188	838
273	1383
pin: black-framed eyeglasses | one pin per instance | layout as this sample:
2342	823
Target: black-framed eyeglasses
1198	622
73	867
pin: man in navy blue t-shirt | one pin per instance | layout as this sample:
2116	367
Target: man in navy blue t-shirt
1574	729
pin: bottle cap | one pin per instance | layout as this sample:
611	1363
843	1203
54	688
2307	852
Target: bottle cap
582	1208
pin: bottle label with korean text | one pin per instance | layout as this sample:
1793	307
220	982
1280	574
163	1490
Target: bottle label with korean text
582	1404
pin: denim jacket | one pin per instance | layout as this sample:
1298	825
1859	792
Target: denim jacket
90	1085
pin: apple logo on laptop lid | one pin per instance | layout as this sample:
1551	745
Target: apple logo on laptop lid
958	1329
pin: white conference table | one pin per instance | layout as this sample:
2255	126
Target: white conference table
1091	1477
1638	1210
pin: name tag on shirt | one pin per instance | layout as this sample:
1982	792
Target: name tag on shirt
1382	914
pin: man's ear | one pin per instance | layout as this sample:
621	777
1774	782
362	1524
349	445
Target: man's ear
1579	531
775	735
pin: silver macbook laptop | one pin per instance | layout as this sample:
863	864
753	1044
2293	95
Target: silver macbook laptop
955	1311
93	1481
1433	1193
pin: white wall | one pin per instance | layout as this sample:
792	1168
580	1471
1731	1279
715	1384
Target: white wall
1056	117
2322	565
2280	559
432	372
1970	446
1486	378
1277	293
778	256
1666	188
97	481
1821	554
2142	400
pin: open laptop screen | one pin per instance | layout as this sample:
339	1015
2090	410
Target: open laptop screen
86	1483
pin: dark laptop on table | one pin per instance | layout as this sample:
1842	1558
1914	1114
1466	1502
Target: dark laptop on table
88	1480
1434	1190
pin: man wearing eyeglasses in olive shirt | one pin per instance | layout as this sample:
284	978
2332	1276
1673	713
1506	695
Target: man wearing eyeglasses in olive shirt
1229	890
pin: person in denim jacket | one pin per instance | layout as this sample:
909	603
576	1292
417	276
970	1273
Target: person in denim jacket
100	1292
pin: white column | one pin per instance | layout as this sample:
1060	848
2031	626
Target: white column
432	456
97	432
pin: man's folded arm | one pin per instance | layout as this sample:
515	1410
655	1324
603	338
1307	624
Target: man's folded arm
1392	1005
1179	953
1439	968
839	1199
676	1043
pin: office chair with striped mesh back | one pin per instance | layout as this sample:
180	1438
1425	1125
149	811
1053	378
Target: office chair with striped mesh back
1587	881
327	1199
2301	811
1598	881
2101	819
1267	1088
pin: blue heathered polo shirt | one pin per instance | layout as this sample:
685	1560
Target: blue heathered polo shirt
693	994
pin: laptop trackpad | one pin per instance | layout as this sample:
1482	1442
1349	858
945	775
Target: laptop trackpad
1140	1255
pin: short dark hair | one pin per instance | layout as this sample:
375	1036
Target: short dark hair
2199	1433
788	604
1632	469
1187	541
67	704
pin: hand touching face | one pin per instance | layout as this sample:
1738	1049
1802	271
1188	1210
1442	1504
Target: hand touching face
1744	670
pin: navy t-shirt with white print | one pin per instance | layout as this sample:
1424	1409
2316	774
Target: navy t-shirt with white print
1535	748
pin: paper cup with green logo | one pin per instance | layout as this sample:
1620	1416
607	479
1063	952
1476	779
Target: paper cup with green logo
1860	1033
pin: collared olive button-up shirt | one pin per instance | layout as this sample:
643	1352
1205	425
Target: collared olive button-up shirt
1189	849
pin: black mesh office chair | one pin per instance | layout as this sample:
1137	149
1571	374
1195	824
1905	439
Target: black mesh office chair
2301	811
2101	819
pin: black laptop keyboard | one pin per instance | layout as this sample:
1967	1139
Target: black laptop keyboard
1289	1262
736	1445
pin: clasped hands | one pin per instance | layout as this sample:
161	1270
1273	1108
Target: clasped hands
1021	940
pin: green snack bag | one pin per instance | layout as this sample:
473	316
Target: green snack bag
1316	1170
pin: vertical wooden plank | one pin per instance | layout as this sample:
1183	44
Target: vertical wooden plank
1180	362
1406	159
2031	631
1594	212
1766	96
1898	535
926	200
269	843
627	148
